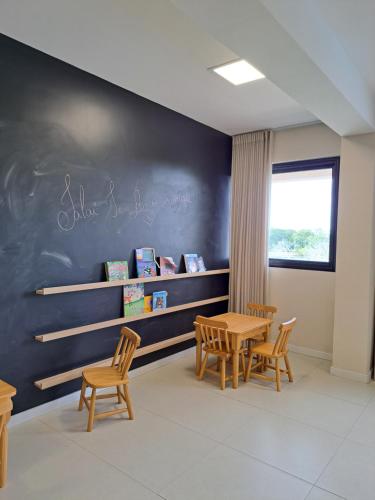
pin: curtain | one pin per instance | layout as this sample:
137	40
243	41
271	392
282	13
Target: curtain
251	182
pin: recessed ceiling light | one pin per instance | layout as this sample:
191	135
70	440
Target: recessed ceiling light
238	72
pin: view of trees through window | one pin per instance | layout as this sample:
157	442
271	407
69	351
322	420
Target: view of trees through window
301	215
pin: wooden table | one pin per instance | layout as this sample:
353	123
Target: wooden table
240	328
6	393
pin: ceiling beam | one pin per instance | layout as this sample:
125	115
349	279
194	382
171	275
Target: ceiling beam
291	44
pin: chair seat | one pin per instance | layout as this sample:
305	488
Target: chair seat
266	349
106	376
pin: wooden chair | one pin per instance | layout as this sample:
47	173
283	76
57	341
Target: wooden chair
216	341
261	311
115	375
272	352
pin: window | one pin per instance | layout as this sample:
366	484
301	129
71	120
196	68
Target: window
303	219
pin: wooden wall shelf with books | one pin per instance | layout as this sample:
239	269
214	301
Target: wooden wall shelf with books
46	337
67	376
108	284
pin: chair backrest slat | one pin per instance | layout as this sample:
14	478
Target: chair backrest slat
261	310
214	333
285	329
125	350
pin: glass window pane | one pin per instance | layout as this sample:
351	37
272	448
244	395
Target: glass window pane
301	215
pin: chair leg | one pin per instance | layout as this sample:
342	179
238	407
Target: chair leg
248	347
83	393
288	367
92	410
222	373
128	402
243	365
118	395
203	367
277	366
249	367
3	451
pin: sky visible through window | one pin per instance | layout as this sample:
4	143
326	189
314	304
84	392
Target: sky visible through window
301	215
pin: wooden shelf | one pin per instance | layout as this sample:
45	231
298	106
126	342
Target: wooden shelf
61	378
46	337
108	284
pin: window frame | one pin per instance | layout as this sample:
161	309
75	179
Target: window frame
315	164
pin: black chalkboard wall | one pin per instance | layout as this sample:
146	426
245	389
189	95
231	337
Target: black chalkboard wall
88	172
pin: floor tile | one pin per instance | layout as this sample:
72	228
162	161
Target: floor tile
227	474
320	380
204	411
321	411
150	448
43	465
364	429
303	365
318	494
287	444
351	473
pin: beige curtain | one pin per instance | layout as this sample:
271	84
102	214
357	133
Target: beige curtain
251	181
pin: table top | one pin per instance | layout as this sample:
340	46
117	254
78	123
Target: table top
242	323
7	390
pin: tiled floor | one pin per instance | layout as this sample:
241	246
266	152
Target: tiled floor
190	441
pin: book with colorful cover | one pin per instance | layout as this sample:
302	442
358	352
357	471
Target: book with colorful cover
159	300
148	303
145	261
191	262
167	266
134	299
117	270
201	266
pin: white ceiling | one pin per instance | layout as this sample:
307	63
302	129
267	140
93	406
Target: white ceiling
353	21
154	50
317	54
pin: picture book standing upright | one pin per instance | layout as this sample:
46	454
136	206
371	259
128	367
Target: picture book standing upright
145	261
159	300
167	266
191	262
133	299
117	270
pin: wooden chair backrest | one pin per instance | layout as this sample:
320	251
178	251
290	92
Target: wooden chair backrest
125	350
261	310
285	330
214	333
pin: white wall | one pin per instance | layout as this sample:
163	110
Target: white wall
354	294
308	295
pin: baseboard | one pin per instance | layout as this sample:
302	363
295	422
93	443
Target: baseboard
351	375
40	410
310	352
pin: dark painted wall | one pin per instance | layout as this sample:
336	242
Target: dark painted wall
88	172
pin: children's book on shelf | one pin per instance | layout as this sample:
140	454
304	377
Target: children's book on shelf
167	266
159	300
145	261
201	266
148	303
117	270
133	299
191	262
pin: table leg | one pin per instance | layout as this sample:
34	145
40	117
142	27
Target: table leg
236	345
